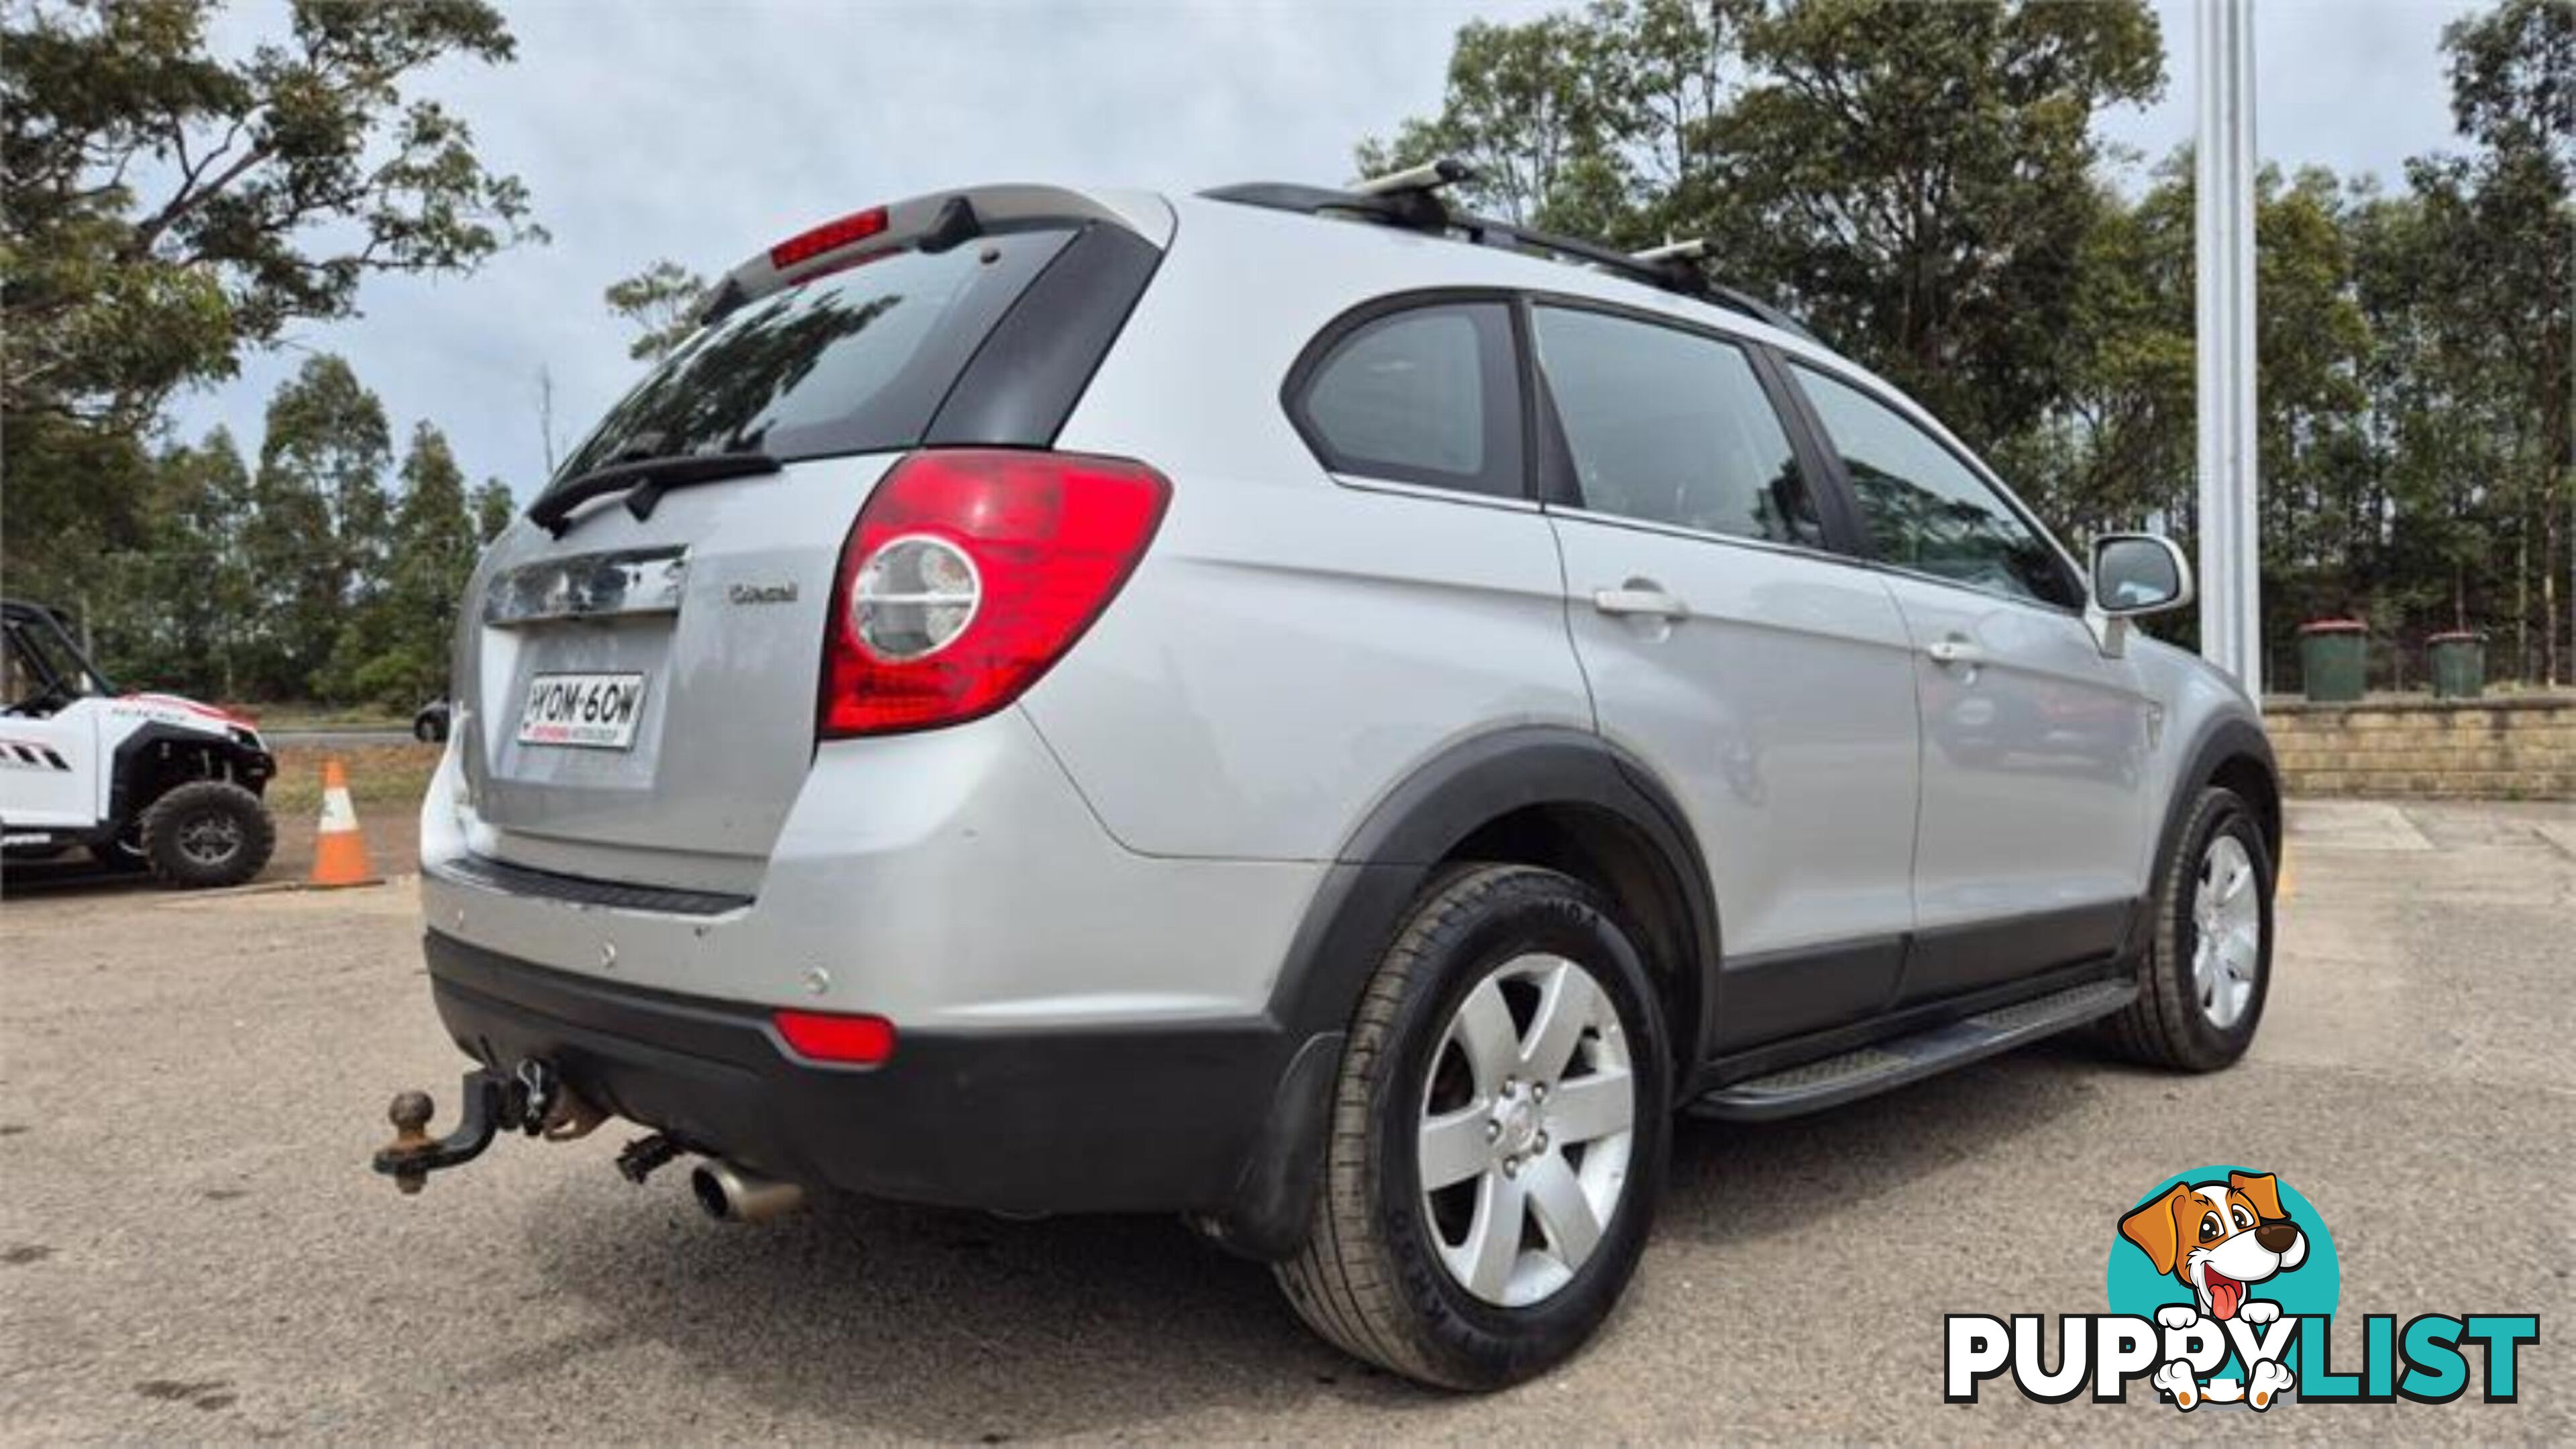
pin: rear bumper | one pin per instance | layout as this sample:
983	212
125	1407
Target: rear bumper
1204	1118
947	880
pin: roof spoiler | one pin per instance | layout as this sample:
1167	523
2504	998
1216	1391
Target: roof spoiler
927	223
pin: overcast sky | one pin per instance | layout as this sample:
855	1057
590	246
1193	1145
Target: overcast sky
705	131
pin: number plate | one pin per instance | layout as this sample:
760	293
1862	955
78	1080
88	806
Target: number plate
587	711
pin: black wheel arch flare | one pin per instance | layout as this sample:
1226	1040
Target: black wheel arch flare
1419	825
2230	750
1406	838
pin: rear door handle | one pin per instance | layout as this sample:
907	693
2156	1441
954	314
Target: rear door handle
1954	651
1640	601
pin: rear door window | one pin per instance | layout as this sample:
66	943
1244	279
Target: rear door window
1428	395
855	361
1673	427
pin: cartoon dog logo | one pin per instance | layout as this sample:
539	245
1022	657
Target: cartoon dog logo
2219	1238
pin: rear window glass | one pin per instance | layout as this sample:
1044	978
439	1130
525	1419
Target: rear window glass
853	362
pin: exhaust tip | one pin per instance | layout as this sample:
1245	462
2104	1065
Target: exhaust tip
734	1195
710	1194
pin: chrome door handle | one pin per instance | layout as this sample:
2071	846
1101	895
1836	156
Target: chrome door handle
1954	651
1640	601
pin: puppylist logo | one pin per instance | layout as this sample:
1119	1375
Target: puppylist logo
2223	1284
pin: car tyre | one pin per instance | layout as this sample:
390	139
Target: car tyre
1375	1274
207	833
2202	990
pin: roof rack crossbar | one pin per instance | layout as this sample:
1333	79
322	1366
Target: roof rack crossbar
1407	199
1429	176
1674	251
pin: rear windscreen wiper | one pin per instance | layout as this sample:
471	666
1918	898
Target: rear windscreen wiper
643	481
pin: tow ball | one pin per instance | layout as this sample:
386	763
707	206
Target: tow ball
532	1100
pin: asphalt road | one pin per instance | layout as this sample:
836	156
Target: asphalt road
191	1247
337	738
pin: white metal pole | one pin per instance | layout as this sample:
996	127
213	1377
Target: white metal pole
2231	612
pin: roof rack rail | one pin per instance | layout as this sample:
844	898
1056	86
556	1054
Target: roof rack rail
1410	199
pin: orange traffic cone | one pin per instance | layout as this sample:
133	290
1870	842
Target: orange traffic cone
339	849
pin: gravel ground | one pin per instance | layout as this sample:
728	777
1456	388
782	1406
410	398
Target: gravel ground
192	1249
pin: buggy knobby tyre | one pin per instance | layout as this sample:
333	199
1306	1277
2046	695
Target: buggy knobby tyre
207	833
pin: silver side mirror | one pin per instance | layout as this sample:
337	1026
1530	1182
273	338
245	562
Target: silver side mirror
2136	574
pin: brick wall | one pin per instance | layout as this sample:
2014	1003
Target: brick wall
2498	749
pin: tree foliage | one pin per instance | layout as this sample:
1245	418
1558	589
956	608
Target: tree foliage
169	210
661	302
319	543
326	573
398	652
183	607
1925	185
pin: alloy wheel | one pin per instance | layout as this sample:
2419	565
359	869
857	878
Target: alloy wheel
2227	935
1526	1128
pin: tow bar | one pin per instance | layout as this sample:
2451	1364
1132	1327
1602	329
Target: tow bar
532	1101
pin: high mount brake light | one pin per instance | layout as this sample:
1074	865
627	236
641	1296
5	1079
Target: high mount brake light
831	236
969	573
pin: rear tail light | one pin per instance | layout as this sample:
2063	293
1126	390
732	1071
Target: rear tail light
850	1041
969	573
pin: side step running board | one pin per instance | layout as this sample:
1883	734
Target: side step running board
1881	1065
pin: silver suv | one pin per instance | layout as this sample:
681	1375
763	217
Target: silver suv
1310	711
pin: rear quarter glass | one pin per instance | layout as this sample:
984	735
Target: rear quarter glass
855	360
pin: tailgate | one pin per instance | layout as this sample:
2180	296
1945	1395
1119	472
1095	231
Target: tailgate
638	666
639	697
